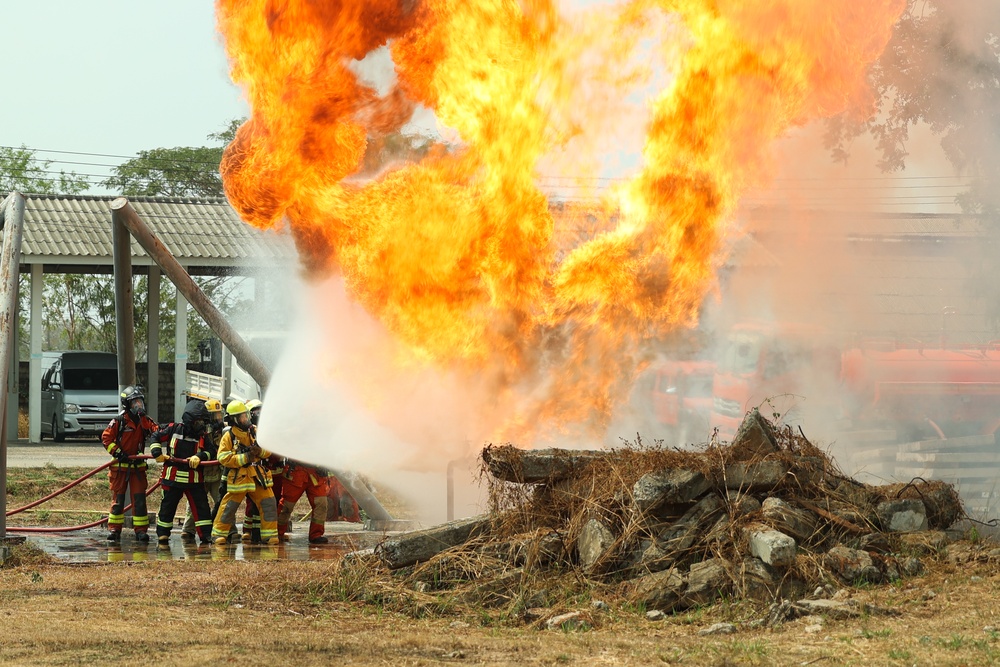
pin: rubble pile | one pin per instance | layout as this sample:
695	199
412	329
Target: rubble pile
768	517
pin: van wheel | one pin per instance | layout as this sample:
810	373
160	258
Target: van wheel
57	433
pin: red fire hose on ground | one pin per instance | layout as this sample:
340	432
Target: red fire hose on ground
93	524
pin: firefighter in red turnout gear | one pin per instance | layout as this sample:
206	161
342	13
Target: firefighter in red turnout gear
315	483
180	448
124	438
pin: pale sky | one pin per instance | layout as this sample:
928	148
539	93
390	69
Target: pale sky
112	77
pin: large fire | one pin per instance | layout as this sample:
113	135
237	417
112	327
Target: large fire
459	255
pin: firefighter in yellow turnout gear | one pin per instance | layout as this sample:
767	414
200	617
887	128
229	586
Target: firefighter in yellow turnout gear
246	477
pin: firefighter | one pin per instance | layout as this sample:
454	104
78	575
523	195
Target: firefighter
211	475
315	483
181	449
246	476
125	437
342	505
276	464
251	519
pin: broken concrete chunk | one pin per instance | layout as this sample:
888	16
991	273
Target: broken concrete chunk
594	541
673	542
531	466
905	515
706	581
924	543
573	620
789	519
667	487
718	629
772	547
852	565
660	590
754	438
754	477
418	546
830	608
743	505
756	580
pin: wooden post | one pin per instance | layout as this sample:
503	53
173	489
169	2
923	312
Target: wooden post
10	267
153	344
124	303
186	285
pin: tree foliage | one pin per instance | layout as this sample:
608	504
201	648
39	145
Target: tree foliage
21	170
174	172
387	149
79	309
942	69
80	313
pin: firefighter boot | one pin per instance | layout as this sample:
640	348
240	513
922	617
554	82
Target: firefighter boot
115	536
142	537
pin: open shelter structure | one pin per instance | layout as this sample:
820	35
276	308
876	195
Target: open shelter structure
74	234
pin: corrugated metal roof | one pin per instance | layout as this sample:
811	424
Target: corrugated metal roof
199	232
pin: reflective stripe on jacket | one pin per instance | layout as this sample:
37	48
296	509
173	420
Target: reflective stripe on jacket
245	471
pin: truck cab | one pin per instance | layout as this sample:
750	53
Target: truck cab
79	393
681	396
785	370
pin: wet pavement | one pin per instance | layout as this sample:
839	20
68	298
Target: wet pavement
90	546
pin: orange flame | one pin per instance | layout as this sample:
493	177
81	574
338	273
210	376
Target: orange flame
460	254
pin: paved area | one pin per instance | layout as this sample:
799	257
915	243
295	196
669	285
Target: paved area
90	546
72	453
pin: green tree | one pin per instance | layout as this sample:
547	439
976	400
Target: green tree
80	313
385	149
21	170
941	69
174	172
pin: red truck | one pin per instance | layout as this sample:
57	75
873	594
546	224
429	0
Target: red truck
678	397
802	374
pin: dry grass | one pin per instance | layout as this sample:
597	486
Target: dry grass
321	612
353	612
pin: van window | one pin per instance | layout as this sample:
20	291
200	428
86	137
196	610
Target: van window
91	379
699	386
742	354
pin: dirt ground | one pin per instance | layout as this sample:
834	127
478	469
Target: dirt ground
264	612
309	613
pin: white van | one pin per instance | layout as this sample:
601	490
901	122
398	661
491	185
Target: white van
79	393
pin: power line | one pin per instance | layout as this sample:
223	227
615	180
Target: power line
108	155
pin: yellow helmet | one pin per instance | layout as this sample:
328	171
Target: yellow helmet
254	406
213	405
236	408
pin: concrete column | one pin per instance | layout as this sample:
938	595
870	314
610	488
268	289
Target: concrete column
180	356
153	344
13	387
35	369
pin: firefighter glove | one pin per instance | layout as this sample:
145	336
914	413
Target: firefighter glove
161	458
194	461
121	455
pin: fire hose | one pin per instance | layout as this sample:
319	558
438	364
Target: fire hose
92	524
